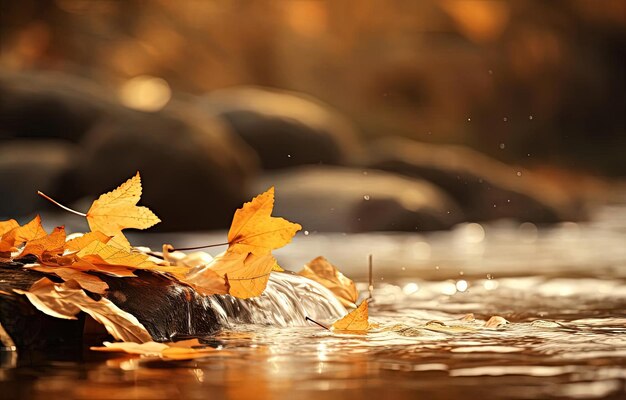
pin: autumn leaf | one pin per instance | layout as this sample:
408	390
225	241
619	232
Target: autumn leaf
6	226
117	210
16	236
106	256
246	274
82	241
49	243
355	321
254	230
323	272
86	281
205	281
65	300
183	350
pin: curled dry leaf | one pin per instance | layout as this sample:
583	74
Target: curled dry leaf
323	272
495	322
184	350
84	280
65	300
254	230
357	320
117	210
53	242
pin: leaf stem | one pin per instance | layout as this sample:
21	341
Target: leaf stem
370	287
200	247
317	323
45	196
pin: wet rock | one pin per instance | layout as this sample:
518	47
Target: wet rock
51	105
193	170
485	188
286	129
30	165
357	200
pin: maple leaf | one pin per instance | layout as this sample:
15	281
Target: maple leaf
254	230
82	241
53	242
205	281
245	274
355	321
117	210
323	272
8	225
104	258
16	236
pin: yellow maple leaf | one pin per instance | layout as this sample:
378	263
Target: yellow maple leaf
8	225
25	233
117	210
81	242
245	274
52	242
84	280
355	321
254	230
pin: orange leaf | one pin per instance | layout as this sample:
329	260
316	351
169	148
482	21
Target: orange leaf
86	281
184	350
81	242
355	321
323	272
21	234
254	230
246	274
101	254
52	242
206	281
117	210
6	226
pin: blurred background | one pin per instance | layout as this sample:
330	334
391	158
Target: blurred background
386	115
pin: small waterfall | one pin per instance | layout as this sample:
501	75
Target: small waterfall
287	300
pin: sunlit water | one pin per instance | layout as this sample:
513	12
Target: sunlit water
562	289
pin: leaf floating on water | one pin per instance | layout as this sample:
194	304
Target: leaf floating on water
53	242
117	210
357	320
496	322
65	300
254	230
323	272
184	350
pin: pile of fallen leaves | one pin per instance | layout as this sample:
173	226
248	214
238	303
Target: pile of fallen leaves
242	271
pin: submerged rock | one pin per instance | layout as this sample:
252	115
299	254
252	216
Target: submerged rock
285	129
357	200
485	188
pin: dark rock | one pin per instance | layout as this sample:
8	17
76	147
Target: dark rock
286	129
351	200
193	170
485	188
30	165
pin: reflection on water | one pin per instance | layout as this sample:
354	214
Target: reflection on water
565	336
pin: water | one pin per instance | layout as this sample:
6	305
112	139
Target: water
562	290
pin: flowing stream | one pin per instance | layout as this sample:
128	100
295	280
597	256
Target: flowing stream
561	290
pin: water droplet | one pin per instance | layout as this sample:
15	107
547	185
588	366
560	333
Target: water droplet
437	267
530	117
462	285
519	173
502	146
469	120
306	233
410	288
403	268
366	197
461	273
489	276
288	155
505	119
